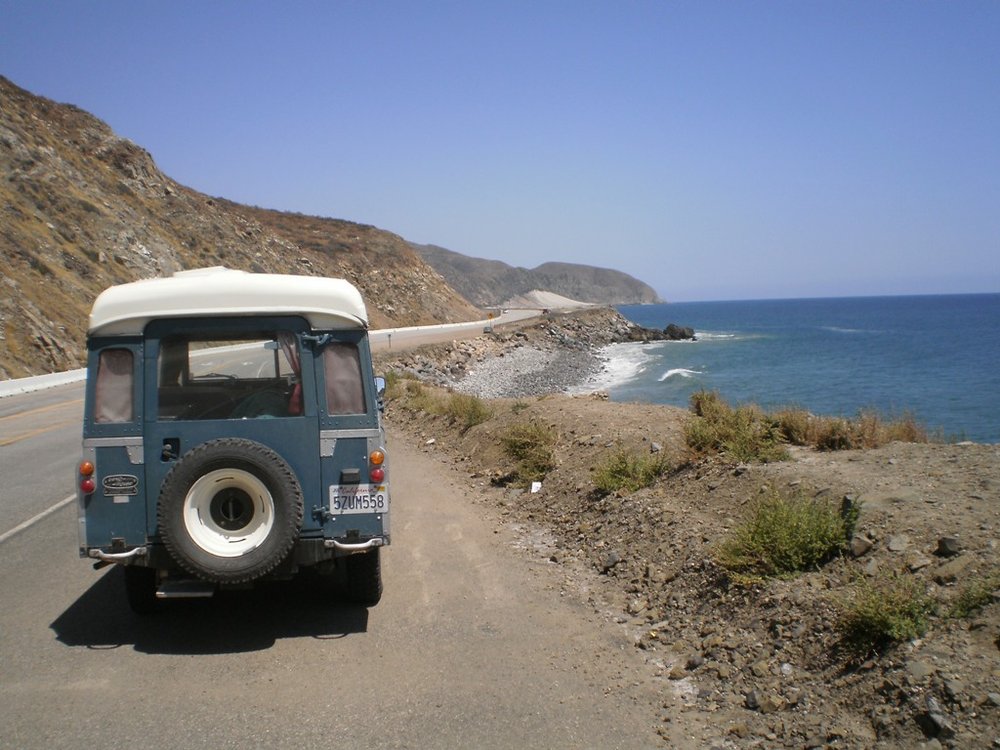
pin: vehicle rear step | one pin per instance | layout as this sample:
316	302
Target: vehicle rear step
187	588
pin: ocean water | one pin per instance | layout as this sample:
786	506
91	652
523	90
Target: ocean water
934	357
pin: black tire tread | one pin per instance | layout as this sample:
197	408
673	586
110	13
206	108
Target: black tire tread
364	577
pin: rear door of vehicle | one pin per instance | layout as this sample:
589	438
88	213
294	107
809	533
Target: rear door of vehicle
356	507
114	514
214	378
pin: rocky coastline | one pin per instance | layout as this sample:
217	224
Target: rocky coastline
756	666
559	354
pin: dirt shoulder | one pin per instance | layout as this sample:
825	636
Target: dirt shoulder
762	665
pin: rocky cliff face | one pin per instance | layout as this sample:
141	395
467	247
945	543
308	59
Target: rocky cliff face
82	209
491	282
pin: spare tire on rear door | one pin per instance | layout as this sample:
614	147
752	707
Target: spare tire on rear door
230	510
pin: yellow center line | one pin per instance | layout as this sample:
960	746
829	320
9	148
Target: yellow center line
42	409
39	431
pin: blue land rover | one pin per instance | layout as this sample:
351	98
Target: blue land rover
232	433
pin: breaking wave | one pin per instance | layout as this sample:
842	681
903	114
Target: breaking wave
621	363
678	372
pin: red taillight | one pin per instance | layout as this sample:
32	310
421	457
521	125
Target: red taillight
377	458
87	484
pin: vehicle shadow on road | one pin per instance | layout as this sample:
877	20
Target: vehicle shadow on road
229	622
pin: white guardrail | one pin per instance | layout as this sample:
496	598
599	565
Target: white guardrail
381	337
40	382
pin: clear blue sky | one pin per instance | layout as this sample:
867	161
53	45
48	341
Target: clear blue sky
725	150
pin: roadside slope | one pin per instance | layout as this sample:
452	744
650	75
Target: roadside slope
761	664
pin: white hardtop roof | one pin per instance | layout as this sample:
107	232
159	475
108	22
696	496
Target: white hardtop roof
214	292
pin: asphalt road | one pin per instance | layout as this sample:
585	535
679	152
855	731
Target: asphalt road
39	450
471	646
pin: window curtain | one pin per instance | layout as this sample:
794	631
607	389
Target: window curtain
289	346
113	390
345	392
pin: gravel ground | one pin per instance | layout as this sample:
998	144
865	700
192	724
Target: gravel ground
528	371
559	354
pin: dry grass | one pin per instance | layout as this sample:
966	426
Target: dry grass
867	430
747	433
531	446
461	409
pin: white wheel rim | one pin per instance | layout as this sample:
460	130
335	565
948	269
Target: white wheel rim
249	512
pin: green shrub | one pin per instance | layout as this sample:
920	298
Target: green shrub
975	595
744	434
785	534
531	446
708	404
627	470
884	611
467	411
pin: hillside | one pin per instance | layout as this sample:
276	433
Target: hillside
492	282
83	209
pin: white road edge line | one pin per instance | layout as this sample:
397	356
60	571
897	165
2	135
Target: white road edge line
35	519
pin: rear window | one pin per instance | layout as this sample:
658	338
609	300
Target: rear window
249	376
113	399
345	392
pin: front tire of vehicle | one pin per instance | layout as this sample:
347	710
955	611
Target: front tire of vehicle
230	510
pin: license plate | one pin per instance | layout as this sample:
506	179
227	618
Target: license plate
358	498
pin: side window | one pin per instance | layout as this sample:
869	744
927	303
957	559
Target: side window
345	392
113	390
